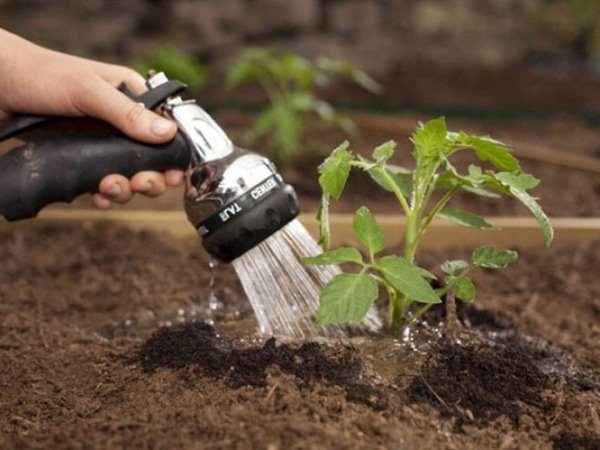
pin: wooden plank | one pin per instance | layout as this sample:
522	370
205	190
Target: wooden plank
513	231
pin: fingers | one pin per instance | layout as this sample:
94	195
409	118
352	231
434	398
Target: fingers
99	99
174	178
115	188
115	75
150	184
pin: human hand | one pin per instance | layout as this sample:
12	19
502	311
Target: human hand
42	81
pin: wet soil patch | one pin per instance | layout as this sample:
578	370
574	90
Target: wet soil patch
569	441
198	345
479	383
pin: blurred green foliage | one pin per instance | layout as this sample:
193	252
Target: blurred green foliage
290	83
175	63
573	23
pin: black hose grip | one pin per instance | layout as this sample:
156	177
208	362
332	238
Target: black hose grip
58	169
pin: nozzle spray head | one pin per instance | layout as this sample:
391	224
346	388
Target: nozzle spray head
234	198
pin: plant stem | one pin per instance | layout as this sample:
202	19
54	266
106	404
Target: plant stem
451	325
395	189
442	202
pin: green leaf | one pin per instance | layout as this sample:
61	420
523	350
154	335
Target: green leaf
426	273
451	267
384	152
401	179
521	181
514	184
406	278
463	288
336	256
335	170
263	124
323	218
367	230
493	258
537	212
287	131
488	149
480	191
345	68
347	297
430	137
465	218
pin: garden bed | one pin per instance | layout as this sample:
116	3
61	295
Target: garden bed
103	343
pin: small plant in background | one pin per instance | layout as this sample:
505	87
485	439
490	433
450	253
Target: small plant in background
290	81
573	23
175	64
423	194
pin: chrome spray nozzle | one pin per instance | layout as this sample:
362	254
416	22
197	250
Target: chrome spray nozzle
234	198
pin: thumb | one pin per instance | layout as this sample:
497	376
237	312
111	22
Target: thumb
101	100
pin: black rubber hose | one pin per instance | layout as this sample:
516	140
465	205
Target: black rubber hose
60	168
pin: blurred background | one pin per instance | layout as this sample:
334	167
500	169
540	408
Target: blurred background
527	71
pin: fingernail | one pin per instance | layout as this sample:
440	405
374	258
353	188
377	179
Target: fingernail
114	190
161	126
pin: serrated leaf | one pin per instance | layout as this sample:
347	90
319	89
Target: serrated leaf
487	149
347	297
430	137
406	278
537	212
463	288
493	258
384	151
400	179
521	181
334	171
323	218
367	230
465	218
451	267
336	256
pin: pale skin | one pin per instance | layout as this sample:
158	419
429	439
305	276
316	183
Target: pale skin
36	80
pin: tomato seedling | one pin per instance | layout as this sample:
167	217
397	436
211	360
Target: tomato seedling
290	82
423	193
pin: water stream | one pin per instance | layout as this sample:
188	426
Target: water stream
283	292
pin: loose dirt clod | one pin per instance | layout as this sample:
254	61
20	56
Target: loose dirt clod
197	345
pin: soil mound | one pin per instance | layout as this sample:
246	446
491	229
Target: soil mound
198	345
479	383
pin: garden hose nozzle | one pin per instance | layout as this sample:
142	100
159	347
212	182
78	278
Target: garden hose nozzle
234	198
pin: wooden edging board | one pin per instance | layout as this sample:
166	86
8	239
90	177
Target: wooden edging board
512	231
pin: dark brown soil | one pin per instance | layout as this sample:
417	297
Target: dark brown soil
87	359
197	345
479	383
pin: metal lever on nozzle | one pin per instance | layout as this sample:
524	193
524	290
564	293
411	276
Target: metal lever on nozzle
234	198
